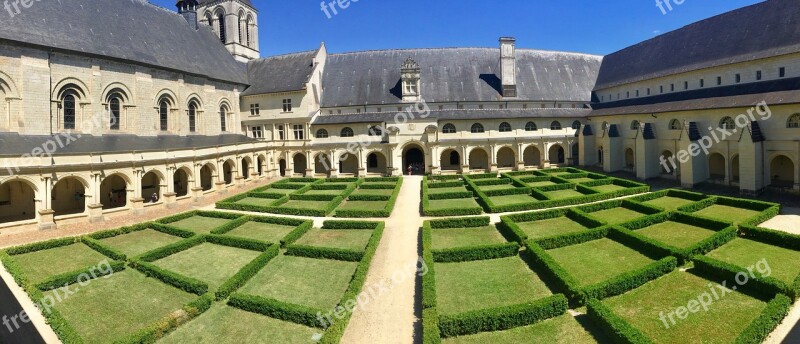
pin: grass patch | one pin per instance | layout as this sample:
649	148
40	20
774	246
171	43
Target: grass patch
229	325
351	239
138	242
563	329
582	180
109	309
260	202
512	199
363	205
452	203
608	188
213	264
669	203
280	191
550	227
496	187
722	323
199	224
268	232
464	237
462	287
373	192
305	204
676	234
40	265
562	194
598	260
542	183
745	253
727	213
317	283
616	215
446	190
324	192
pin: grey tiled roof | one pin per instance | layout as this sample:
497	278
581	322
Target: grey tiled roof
280	73
457	74
739	101
453	115
765	29
131	30
14	144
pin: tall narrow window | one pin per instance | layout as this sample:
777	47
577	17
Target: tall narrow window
247	33
782	72
69	111
223	113
239	22
163	114
738	78
758	75
221	21
719	81
114	112
192	117
281	135
287	105
299	132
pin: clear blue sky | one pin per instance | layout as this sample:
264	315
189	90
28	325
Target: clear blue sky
588	26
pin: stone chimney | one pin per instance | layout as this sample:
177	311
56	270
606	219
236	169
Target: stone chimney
188	9
508	66
410	77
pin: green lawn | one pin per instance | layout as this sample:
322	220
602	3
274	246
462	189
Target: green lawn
363	205
434	191
463	237
268	232
582	180
550	227
453	203
543	183
462	287
725	319
727	213
108	309
228	325
41	265
669	203
608	188
305	204
375	192
352	239
261	202
512	199
199	224
676	234
213	264
616	215
563	329
562	194
496	187
317	283
598	260
324	192
746	253
280	191
136	243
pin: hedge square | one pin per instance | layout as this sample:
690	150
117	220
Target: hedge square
676	234
444	238
598	260
261	202
41	265
669	203
453	203
375	192
363	205
562	194
550	227
199	224
210	263
305	204
616	215
744	253
512	199
262	231
564	329
139	242
350	239
727	213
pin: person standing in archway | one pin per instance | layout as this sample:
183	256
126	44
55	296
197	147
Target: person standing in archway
410	169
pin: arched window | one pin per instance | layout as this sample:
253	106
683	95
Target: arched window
114	110
505	127
477	128
322	134
675	125
449	128
454	158
192	116
576	125
68	104
727	123
530	126
223	118
606	126
375	131
239	24
347	132
794	121
163	114
372	161
247	28
634	125
556	125
221	21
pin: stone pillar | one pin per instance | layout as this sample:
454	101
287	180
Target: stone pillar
309	164
46	214
647	156
219	185
693	162
362	167
465	166
436	167
137	201
520	158
751	166
493	158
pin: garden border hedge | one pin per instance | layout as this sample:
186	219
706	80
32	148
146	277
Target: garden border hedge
502	318
613	325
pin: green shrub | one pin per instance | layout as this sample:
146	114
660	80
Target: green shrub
466	222
441	185
246	273
770	236
502	318
237	242
490	182
572	238
107	251
616	328
472	253
508	192
187	284
725	233
329	187
429	279
324	253
480	176
377	187
276	309
551	270
41	246
171	249
161	328
430	327
174	231
81	275
766	322
297	233
767	287
320	198
119	231
370	198
349	224
451	195
629	280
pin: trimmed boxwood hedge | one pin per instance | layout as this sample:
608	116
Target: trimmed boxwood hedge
324	253
491	182
246	273
464	222
766	322
430	327
429	279
767	210
176	280
364	213
119	231
442	185
73	277
767	287
570	239
171	249
616	328
770	236
276	309
40	246
161	328
502	318
426	198
451	195
472	253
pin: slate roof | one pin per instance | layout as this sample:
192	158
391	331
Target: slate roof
746	100
15	144
282	73
453	115
769	28
130	30
457	74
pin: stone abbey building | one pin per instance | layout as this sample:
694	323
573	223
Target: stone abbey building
111	107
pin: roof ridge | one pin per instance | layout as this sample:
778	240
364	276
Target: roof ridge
456	48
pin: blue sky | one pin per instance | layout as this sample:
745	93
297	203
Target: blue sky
588	26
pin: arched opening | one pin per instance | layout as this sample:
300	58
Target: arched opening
260	167
450	160
246	168
505	158
206	177
600	156
282	167
113	192
735	169
414	160
556	154
180	182
531	156
630	159
227	172
17	201
151	187
322	164
114	111
192	112
716	166
782	172
667	168
478	159
376	163
348	164
223	117
300	164
69	197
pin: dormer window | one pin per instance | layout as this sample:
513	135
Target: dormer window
410	74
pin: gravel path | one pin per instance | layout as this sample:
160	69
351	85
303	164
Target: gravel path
389	315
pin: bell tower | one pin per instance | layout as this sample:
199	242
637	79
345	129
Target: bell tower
235	22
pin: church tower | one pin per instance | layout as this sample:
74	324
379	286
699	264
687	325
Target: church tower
234	21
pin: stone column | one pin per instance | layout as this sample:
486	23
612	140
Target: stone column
46	214
95	206
520	158
587	155
170	197
137	202
493	158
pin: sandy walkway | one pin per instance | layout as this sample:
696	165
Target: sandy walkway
389	316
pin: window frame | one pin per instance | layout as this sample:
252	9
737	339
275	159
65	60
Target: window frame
556	125
321	134
449	128
529	128
347	132
477	128
505	127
